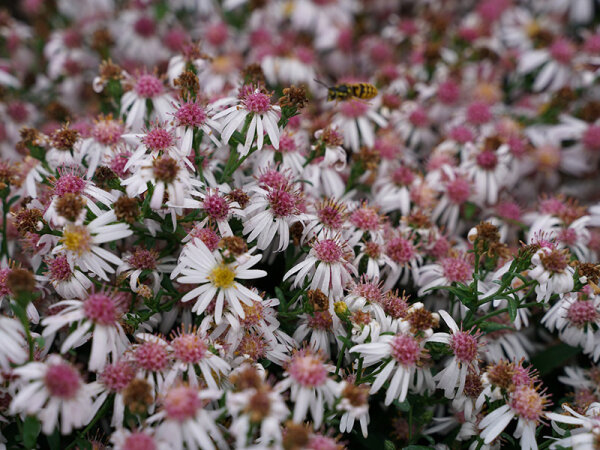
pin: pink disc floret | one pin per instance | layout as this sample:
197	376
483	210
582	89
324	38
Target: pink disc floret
62	380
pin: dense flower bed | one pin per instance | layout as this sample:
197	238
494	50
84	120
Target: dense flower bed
299	224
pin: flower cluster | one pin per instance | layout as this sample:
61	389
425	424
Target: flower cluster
203	246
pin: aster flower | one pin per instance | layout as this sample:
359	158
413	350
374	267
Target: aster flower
55	393
105	137
328	264
354	405
185	421
81	244
189	117
140	260
254	104
403	353
465	348
355	118
552	272
584	428
145	87
216	276
307	377
124	439
451	269
96	317
115	378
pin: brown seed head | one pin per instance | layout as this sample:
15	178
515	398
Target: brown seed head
137	396
20	281
294	96
70	206
127	209
318	300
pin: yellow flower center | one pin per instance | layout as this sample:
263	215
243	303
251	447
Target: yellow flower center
222	276
76	238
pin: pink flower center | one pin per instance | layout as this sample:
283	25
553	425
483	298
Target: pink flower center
527	402
145	27
273	179
419	117
403	176
254	314
216	207
328	251
448	92
464	346
287	144
568	236
365	219
143	259
258	103
582	312
148	86
190	115
456	270
591	138
209	237
562	50
458	190
478	113
158	139
401	250
395	306
354	108
152	356
330	217
282	203
69	184
217	34
139	441
487	160
63	381
405	349
369	291
4	290
60	270
72	38
101	309
461	134
118	375
321	320
254	346
107	132
307	370
182	403
319	442
592	44
17	111
118	163
189	348
509	210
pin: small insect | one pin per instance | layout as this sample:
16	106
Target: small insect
341	92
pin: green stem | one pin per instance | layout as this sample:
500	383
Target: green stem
500	311
4	249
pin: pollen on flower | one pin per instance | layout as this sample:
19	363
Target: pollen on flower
216	207
59	268
257	102
101	309
181	403
148	86
108	131
555	261
365	218
367	289
189	348
395	305
400	250
253	314
465	346
165	169
405	349
190	114
222	276
456	269
320	320
331	214
62	380
117	376
151	356
158	139
76	238
208	236
582	312
139	441
282	202
373	250
142	258
69	183
307	369
528	402
253	346
328	250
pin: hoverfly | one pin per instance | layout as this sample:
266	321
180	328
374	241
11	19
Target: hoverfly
341	92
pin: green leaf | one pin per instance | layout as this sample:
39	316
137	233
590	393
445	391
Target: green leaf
31	430
553	358
513	304
490	327
404	406
389	445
